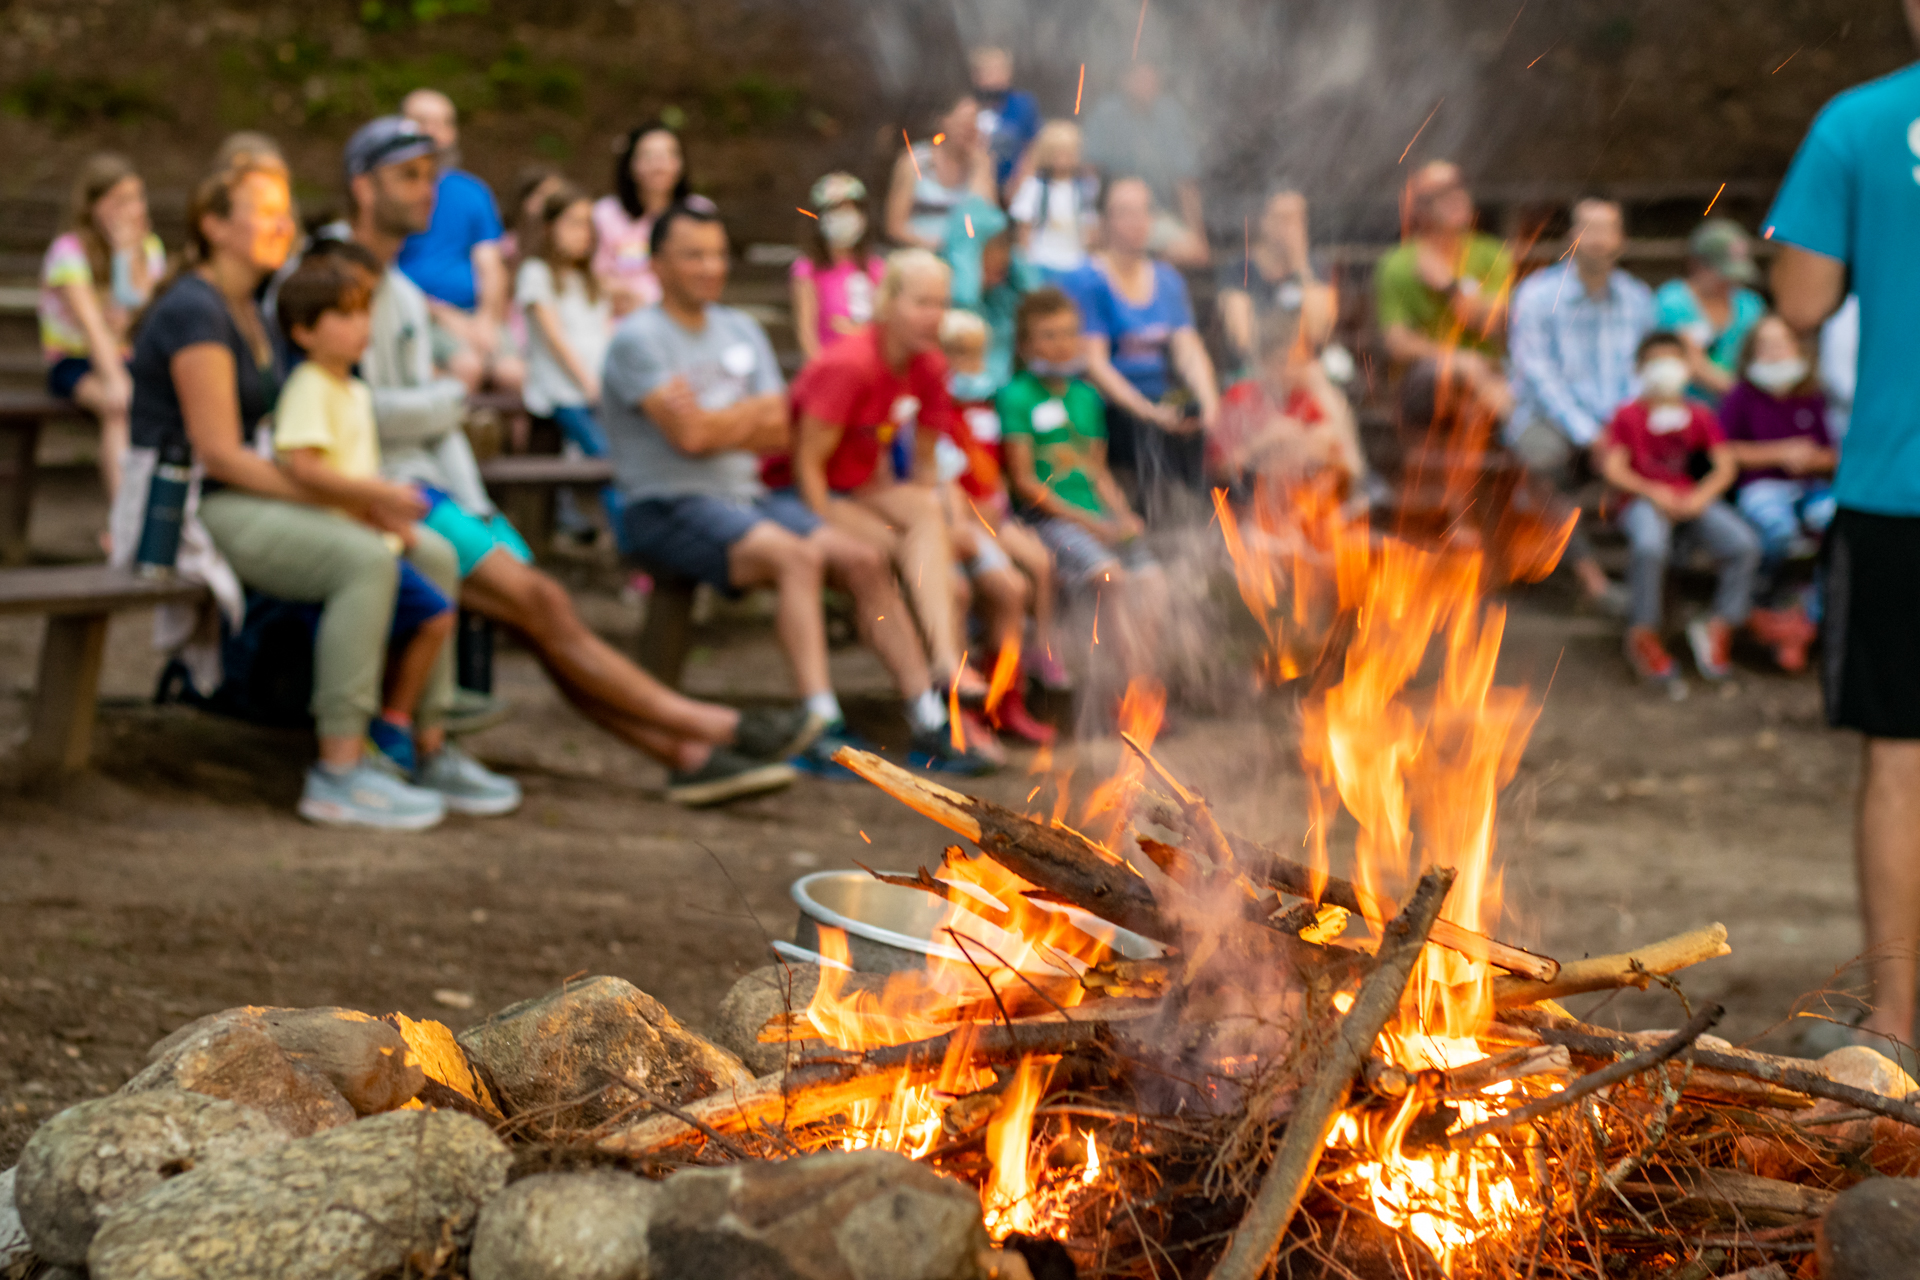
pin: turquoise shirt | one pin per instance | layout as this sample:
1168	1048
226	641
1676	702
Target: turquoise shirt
1853	194
1675	308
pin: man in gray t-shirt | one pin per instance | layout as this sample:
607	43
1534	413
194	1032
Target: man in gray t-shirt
690	396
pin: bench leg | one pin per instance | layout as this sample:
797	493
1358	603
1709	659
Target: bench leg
18	445
667	635
67	690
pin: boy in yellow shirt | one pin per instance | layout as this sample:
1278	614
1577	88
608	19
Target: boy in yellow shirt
324	437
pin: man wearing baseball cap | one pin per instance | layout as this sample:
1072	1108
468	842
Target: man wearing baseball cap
1713	307
714	753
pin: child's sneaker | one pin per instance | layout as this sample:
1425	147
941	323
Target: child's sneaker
1050	673
1788	632
367	795
726	776
775	733
817	759
466	785
1711	640
393	742
934	749
1011	714
1648	657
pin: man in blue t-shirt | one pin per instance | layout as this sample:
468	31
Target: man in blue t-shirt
456	261
1846	214
1009	117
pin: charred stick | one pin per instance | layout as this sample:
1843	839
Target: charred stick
1056	858
1593	1081
712	1134
1302	881
1628	969
1321	1101
1591	1042
1194	807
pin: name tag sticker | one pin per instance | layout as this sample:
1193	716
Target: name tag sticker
1049	415
738	359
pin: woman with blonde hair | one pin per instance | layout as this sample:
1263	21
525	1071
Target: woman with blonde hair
1055	206
97	275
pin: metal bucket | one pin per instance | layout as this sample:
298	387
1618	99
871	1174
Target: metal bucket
891	927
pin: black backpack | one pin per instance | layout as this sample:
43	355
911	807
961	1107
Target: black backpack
268	662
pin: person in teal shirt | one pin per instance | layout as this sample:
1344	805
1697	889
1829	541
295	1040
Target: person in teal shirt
1713	306
1846	213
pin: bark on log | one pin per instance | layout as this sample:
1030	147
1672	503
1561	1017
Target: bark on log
1300	880
1058	859
1724	1188
1273	1207
1628	969
817	1090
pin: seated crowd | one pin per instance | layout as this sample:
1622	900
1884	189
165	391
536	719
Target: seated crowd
999	415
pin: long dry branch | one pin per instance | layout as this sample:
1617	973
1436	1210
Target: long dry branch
1273	1206
817	1090
1056	858
1628	969
1303	881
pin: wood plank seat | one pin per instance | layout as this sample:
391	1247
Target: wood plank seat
22	414
78	601
524	484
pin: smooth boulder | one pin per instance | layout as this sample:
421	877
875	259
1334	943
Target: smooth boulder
87	1161
590	1225
1871	1231
230	1055
861	1215
366	1059
755	1000
354	1203
587	1052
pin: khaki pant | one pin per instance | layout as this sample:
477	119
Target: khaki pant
314	555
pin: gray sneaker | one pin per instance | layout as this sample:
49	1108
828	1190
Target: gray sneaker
368	796
466	785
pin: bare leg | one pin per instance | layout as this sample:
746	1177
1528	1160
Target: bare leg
407	675
925	560
1002	598
90	395
584	665
860	569
1887	845
795	567
1026	551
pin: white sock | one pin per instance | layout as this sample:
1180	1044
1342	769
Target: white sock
926	712
825	707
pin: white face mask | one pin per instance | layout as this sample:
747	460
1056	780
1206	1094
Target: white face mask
842	228
1664	376
1776	376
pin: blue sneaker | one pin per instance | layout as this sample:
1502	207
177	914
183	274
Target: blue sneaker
466	785
934	750
818	760
393	742
368	796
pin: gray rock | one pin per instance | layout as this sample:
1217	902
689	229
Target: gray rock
862	1215
584	1041
1871	1231
353	1203
566	1226
757	998
90	1159
364	1058
230	1055
13	1236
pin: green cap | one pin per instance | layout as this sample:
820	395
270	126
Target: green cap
1723	244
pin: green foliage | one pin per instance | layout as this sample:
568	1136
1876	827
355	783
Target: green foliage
517	81
68	102
753	101
394	15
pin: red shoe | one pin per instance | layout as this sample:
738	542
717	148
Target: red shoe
1788	632
980	739
1711	640
1648	657
1011	716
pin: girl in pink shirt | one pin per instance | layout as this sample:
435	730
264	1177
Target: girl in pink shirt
650	175
833	284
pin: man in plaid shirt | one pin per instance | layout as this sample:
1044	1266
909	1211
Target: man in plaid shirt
1571	341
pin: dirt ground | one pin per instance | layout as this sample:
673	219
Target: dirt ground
174	879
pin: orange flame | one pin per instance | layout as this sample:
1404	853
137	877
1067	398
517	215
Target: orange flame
1006	669
1009	1199
1143	708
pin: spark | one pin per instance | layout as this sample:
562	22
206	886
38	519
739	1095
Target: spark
959	734
1036	791
1516	20
1556	672
1081	90
1544	52
866	837
1417	132
1246	237
1096	617
939	138
969	220
807	212
1768	234
1138	28
1714	201
1790	57
910	155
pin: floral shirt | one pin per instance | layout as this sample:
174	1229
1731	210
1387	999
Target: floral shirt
61	334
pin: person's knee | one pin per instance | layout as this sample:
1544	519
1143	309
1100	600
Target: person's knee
859	564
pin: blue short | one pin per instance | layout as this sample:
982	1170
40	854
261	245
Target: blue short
64	374
417	601
691	536
474	537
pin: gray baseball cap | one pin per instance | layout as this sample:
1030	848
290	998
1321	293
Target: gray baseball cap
1724	245
387	140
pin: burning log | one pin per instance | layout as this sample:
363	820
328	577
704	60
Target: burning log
817	1090
1634	968
1302	881
1273	1206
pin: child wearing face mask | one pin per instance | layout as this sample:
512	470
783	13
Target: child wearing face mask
1775	418
1667	455
833	283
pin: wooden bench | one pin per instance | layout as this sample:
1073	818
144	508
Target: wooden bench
77	602
523	485
21	416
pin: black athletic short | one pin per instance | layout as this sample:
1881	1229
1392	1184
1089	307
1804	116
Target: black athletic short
1871	665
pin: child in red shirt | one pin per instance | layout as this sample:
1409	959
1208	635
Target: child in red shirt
1668	455
1288	422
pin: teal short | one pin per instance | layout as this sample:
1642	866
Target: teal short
474	537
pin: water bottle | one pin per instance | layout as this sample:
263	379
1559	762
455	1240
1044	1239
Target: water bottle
166	511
